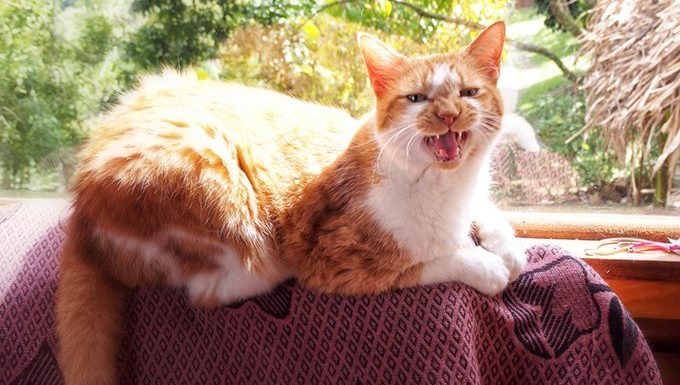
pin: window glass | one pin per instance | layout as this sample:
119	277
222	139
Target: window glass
65	62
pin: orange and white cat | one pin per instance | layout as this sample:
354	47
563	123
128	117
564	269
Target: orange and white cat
228	190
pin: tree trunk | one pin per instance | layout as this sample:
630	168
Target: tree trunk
663	180
542	51
661	186
635	194
6	184
560	9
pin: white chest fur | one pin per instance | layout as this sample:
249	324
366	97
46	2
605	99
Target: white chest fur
430	216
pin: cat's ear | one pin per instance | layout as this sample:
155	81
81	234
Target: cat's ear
382	62
487	49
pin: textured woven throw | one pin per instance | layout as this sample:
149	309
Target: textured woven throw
559	323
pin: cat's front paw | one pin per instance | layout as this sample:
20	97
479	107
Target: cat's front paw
514	258
511	251
494	275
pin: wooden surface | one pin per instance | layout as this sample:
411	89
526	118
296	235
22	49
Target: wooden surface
649	299
594	226
669	366
664	338
662	335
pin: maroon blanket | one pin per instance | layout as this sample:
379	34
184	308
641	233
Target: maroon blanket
558	324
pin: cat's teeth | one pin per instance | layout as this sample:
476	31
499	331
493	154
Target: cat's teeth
437	136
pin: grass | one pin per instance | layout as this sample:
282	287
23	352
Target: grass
556	112
529	97
562	44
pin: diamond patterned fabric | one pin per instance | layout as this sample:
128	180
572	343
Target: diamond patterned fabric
559	323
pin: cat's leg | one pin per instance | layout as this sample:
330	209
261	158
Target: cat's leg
497	236
473	266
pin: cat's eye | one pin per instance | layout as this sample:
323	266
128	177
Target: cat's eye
416	98
469	92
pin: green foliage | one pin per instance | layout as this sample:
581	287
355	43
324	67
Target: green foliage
560	43
394	18
179	33
524	27
577	8
64	61
318	61
55	76
556	110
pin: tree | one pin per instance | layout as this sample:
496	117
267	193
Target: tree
178	34
565	15
55	76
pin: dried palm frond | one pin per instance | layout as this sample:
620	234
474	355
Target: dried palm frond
633	87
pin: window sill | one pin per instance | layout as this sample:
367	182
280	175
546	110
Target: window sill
593	226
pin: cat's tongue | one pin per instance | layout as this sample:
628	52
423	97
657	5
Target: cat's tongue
446	146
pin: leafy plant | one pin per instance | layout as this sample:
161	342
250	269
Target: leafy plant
577	8
56	75
179	33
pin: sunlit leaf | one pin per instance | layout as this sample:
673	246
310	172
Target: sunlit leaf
306	69
202	74
311	31
384	7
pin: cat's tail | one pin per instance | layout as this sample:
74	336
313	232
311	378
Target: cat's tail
89	306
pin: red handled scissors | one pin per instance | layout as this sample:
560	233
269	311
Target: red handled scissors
611	246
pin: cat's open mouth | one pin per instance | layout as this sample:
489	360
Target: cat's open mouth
447	147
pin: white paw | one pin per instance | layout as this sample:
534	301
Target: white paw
493	275
514	258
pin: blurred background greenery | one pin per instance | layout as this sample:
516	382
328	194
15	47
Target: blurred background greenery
64	62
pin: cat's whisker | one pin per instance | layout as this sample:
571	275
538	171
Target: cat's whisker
394	153
389	164
416	136
393	137
485	130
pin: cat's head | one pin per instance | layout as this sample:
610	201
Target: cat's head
437	109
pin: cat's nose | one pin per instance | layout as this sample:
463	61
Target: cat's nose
448	118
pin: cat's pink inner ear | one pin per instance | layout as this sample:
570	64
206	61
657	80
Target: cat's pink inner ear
487	49
382	62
